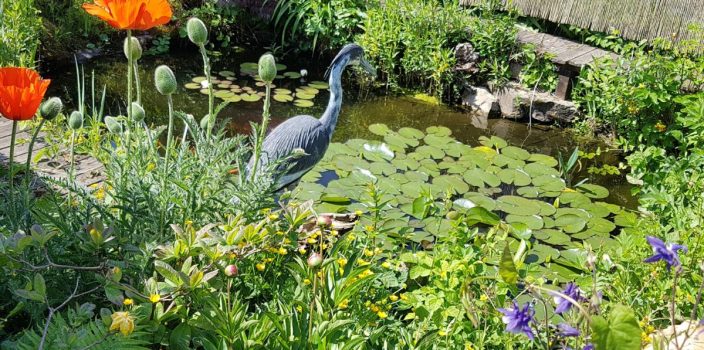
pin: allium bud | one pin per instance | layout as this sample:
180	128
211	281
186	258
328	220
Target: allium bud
165	80
135	51
113	125
315	259
591	261
75	121
51	108
197	31
267	68
231	270
325	220
138	113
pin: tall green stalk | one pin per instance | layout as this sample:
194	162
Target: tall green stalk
262	130
169	137
12	158
211	96
29	162
130	72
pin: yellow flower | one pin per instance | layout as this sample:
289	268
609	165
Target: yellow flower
151	166
366	273
311	240
374	308
282	251
386	265
128	302
442	333
344	304
154	298
382	314
302	250
299	308
260	266
362	262
660	127
273	216
123	322
404	297
368	252
350	237
342	261
483	297
358	212
280	233
393	298
334	233
369	228
306	281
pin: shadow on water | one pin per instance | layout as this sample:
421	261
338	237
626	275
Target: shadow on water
357	113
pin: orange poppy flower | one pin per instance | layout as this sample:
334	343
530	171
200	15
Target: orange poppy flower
21	92
131	14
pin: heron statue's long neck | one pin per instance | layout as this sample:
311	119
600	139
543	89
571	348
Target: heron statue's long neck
329	118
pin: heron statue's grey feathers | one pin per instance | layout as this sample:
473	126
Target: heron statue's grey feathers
306	132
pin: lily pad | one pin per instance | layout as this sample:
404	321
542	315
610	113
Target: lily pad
411	133
250	97
304	96
593	191
517	205
379	129
283	98
303	103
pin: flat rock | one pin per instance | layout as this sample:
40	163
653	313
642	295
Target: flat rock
517	102
690	336
481	101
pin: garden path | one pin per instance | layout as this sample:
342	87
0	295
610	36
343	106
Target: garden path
88	169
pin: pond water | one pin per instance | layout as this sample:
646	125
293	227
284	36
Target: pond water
361	108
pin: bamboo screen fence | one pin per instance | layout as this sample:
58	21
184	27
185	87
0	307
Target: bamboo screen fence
634	19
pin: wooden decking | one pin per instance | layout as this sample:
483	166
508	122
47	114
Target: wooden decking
569	56
88	169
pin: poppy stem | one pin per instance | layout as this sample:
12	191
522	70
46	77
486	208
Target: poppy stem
169	136
211	96
9	164
130	68
29	162
137	86
262	130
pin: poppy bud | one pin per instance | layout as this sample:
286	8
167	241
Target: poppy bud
315	259
197	31
75	121
51	108
165	80
113	125
137	112
135	51
231	270
267	68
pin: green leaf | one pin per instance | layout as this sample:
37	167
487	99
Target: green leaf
180	337
480	215
620	331
39	285
507	268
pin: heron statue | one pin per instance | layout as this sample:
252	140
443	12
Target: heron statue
306	133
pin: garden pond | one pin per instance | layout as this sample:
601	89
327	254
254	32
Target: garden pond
413	148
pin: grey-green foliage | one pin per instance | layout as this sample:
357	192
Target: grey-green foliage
20	27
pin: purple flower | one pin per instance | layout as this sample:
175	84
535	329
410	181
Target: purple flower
518	319
567	330
588	347
666	252
564	305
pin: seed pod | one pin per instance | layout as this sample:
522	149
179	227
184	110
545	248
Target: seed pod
231	270
325	220
267	68
315	260
197	31
136	48
113	125
137	112
165	80
75	121
51	108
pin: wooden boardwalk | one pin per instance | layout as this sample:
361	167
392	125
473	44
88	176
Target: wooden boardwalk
88	169
569	56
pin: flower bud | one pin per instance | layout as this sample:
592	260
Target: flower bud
197	31
51	108
231	270
75	121
135	51
267	68
315	259
113	125
165	80
325	220
137	112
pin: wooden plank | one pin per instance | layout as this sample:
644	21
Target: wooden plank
588	57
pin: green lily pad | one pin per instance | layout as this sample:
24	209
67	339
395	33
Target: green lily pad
438	130
411	133
481	200
303	103
515	153
543	159
379	129
430	152
570	223
534	222
493	142
192	86
304	96
452	183
292	75
282	98
552	237
250	97
516	177
320	85
593	191
517	205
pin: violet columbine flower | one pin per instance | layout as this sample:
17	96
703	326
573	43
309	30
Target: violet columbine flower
588	347
666	252
518	319
567	330
564	305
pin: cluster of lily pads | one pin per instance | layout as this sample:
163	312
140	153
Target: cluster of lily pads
494	181
231	89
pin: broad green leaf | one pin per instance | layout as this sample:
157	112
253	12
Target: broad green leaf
620	331
507	268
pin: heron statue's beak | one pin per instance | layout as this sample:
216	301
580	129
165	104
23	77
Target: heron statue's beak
367	67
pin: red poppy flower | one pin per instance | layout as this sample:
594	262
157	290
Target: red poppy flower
21	92
131	14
